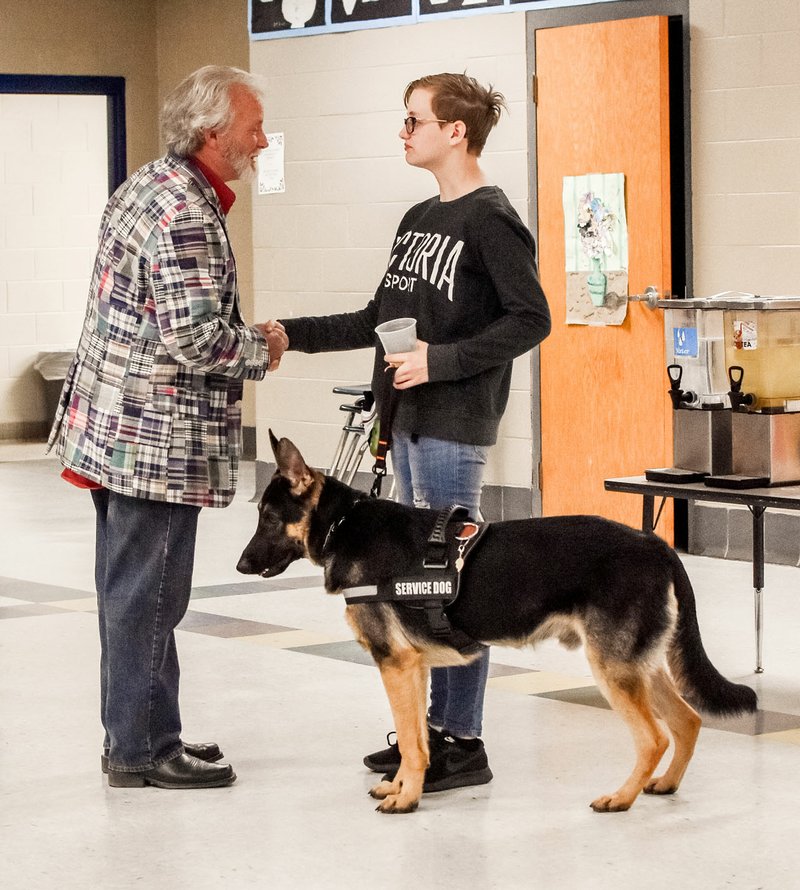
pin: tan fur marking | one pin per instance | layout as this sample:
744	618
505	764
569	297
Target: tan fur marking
298	531
684	724
405	679
627	687
569	631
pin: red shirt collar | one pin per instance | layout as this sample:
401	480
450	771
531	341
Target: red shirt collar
226	195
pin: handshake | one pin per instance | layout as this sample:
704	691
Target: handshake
277	341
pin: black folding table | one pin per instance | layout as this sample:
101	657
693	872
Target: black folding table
757	500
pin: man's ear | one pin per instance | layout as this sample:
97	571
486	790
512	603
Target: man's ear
210	137
458	132
291	464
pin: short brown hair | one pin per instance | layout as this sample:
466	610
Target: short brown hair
457	97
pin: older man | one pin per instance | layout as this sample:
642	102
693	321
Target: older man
150	419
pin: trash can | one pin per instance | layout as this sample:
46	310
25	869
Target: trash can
53	367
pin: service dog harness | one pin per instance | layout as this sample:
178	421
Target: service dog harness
436	586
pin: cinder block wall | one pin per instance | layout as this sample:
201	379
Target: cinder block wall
323	245
745	69
49	202
53	193
53	183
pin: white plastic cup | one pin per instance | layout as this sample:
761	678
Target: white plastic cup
398	335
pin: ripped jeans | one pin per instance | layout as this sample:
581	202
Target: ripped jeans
436	473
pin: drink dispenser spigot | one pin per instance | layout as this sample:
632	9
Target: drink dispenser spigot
738	398
678	396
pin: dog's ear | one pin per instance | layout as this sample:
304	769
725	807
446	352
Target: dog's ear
291	464
273	440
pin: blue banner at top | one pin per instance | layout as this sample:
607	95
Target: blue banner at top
299	18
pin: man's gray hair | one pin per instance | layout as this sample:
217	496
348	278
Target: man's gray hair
200	102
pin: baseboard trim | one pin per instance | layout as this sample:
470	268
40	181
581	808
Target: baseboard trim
25	431
725	531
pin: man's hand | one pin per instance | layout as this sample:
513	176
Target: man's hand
277	342
412	367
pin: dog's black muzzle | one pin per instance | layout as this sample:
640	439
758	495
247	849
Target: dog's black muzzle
267	562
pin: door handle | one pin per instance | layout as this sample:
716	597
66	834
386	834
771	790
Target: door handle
650	297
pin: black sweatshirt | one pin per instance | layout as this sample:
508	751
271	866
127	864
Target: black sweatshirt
466	270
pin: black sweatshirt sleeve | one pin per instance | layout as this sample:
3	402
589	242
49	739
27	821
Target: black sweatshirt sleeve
333	333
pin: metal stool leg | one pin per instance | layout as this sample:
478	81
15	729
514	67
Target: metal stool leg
337	455
355	463
354	438
347	430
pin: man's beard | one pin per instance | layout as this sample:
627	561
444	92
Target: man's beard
241	162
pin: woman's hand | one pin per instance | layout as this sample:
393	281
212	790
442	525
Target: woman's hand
412	367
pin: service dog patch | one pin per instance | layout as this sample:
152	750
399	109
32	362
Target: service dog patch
438	584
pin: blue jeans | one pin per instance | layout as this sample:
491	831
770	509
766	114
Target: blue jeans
435	473
143	573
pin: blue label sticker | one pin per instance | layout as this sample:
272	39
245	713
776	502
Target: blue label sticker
684	342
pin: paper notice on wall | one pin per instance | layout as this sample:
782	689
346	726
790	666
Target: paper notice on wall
271	174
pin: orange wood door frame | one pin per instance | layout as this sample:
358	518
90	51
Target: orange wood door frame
603	107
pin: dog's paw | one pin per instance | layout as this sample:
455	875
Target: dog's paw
611	803
660	786
383	790
397	803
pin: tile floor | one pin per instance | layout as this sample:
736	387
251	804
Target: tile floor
270	671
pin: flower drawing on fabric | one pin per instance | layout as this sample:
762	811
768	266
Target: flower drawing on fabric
596	226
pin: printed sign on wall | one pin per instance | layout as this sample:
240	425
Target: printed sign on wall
436	7
271	16
271	168
344	11
295	18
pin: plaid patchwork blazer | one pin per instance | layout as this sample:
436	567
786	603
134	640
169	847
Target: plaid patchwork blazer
151	405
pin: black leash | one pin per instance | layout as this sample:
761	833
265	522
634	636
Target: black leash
387	412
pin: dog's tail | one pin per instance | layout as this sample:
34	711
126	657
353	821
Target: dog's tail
698	679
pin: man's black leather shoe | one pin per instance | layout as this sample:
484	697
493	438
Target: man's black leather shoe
183	771
208	751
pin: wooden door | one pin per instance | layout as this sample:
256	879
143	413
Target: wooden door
603	107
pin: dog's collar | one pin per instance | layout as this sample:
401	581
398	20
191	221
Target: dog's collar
329	534
333	527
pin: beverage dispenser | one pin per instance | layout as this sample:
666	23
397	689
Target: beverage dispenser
762	355
699	389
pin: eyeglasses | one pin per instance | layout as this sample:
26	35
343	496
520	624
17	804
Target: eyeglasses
411	123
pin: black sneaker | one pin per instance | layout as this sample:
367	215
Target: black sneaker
453	766
388	760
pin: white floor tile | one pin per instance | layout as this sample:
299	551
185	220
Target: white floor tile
295	725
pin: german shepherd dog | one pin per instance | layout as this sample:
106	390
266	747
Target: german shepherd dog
622	593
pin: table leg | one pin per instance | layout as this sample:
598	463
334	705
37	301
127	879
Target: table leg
647	512
758	582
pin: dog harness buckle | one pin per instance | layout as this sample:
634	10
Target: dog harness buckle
437	620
